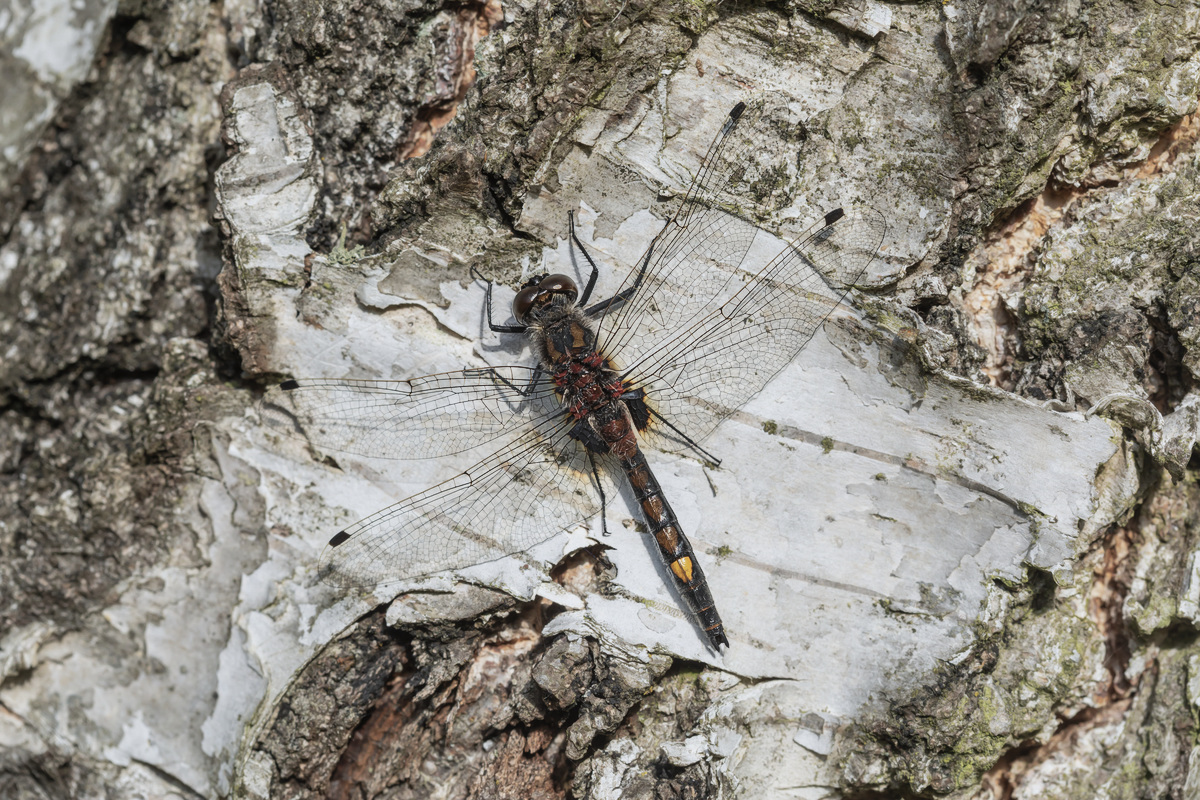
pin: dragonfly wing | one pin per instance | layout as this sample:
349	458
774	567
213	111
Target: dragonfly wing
424	417
714	366
521	495
696	256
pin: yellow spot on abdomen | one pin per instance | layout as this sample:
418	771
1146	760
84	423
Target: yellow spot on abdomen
682	567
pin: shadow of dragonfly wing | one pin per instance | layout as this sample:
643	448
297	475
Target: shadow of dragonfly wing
519	496
426	417
714	365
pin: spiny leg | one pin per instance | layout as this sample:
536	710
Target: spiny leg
600	489
488	303
619	299
529	387
687	439
591	283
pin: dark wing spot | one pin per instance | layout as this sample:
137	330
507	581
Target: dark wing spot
834	216
338	538
288	386
640	413
737	111
583	433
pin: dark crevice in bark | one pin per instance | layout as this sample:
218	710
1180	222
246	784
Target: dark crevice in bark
1178	635
496	195
42	399
1043	589
1107	607
118	36
185	791
1003	781
999	780
1169	380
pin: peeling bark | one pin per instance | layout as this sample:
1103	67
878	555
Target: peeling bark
957	541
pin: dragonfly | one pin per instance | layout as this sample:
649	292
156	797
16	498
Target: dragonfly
694	331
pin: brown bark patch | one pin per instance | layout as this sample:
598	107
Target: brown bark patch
455	73
1106	606
1002	266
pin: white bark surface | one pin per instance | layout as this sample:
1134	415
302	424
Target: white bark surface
930	585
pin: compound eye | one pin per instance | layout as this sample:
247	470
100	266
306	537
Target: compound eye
560	284
523	303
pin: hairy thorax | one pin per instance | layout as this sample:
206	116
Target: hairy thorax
590	387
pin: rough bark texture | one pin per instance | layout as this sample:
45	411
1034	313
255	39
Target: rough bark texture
197	198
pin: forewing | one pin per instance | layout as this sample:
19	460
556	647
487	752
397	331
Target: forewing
519	496
691	266
711	368
424	417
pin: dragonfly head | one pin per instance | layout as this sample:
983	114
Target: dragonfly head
542	294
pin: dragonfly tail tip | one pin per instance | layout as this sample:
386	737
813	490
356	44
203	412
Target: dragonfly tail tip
718	640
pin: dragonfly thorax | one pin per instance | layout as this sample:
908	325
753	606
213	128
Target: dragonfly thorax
544	297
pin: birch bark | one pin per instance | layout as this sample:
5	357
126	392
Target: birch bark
954	543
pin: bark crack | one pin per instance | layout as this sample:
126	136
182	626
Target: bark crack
1004	264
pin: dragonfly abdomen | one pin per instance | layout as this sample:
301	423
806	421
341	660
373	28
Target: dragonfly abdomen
673	545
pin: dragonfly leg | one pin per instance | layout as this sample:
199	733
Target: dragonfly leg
524	392
488	304
587	436
593	443
533	381
600	489
620	298
639	409
591	281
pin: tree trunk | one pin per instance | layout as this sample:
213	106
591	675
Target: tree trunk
954	543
